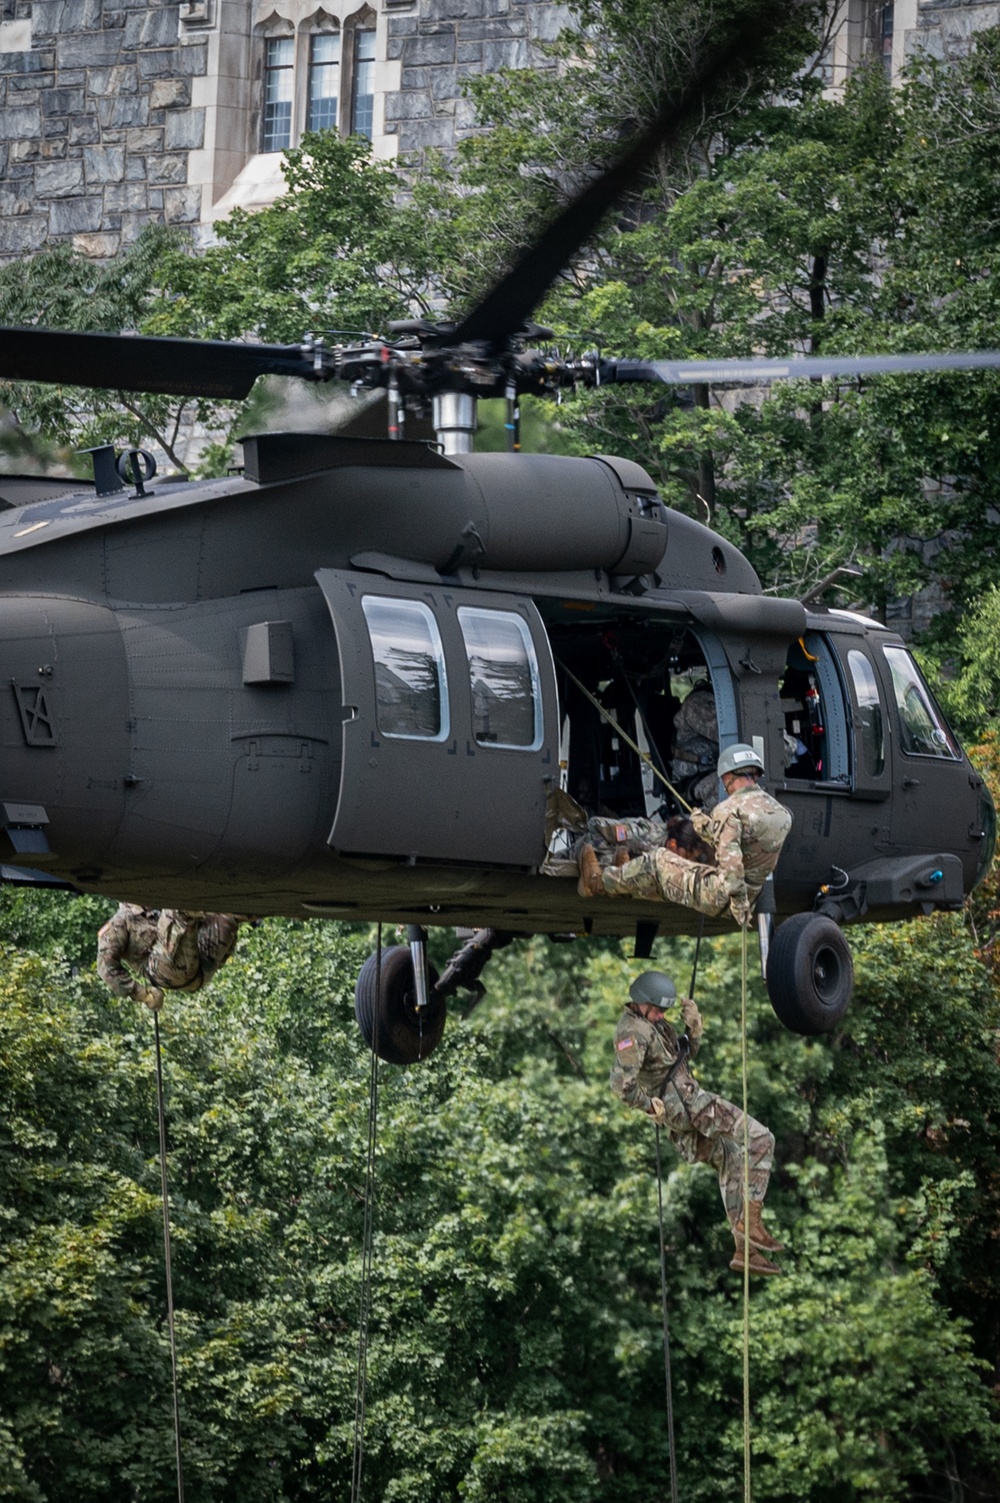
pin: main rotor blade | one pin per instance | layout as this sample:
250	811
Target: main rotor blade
140	362
506	306
799	367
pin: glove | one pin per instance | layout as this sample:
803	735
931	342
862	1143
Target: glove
700	820
151	995
742	912
690	1013
657	1111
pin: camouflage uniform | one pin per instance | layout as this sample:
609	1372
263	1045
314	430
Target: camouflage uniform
696	745
747	831
140	951
703	1127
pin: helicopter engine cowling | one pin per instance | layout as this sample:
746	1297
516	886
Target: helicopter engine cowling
565	513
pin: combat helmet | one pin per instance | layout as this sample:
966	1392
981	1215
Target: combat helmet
739	758
654	987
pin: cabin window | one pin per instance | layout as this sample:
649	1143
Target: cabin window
411	686
503	675
871	730
922	728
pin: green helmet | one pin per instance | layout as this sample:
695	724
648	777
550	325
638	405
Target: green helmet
739	758
654	987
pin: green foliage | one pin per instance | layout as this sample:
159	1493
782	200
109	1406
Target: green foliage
515	1348
337	252
64	290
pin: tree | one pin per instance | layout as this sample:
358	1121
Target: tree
516	1331
62	289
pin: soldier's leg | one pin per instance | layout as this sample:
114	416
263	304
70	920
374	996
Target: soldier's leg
175	959
719	1125
636	879
663	875
217	936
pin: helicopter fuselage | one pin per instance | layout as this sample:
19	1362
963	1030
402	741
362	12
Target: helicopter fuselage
347	681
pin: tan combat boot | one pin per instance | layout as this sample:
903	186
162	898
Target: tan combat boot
591	883
759	1236
758	1262
621	856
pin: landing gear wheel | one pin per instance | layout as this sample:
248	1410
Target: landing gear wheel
403	1035
810	973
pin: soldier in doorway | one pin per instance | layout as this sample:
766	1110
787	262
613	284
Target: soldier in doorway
651	1073
746	832
142	952
696	746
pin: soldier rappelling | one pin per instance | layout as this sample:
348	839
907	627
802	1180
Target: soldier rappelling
143	952
651	1073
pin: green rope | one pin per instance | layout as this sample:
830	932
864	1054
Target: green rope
746	1230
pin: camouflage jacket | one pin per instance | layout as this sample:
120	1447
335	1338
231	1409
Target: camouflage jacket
645	1051
123	947
747	831
696	733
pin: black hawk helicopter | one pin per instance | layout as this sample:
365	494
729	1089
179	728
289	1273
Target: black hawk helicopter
349	681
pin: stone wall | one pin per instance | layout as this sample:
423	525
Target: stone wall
95	123
945	28
104	105
444	43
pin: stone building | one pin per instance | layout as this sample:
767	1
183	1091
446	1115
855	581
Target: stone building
115	114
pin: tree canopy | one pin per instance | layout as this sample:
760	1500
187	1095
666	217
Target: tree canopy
515	1349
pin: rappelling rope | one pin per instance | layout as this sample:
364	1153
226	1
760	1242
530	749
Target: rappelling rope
746	1227
367	1238
667	1370
162	1118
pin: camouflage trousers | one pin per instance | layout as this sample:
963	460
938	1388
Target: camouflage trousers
190	948
664	876
708	1129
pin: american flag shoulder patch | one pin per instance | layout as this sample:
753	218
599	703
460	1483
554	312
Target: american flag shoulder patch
624	1044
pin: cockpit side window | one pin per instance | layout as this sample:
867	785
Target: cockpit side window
817	743
504	679
871	728
411	685
923	731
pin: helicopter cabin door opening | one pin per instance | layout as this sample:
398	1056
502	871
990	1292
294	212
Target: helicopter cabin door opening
671	692
450	722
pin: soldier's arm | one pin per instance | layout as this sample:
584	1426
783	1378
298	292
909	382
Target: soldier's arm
729	863
112	944
630	1052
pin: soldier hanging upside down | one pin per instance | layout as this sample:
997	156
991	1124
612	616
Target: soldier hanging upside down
651	1073
142	952
746	832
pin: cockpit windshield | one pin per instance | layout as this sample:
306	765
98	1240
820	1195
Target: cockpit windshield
923	730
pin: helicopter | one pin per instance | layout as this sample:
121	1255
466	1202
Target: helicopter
353	680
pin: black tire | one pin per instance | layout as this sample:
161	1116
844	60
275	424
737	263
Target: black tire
403	1036
810	974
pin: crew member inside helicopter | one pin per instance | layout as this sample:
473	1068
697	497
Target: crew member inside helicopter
141	952
633	693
